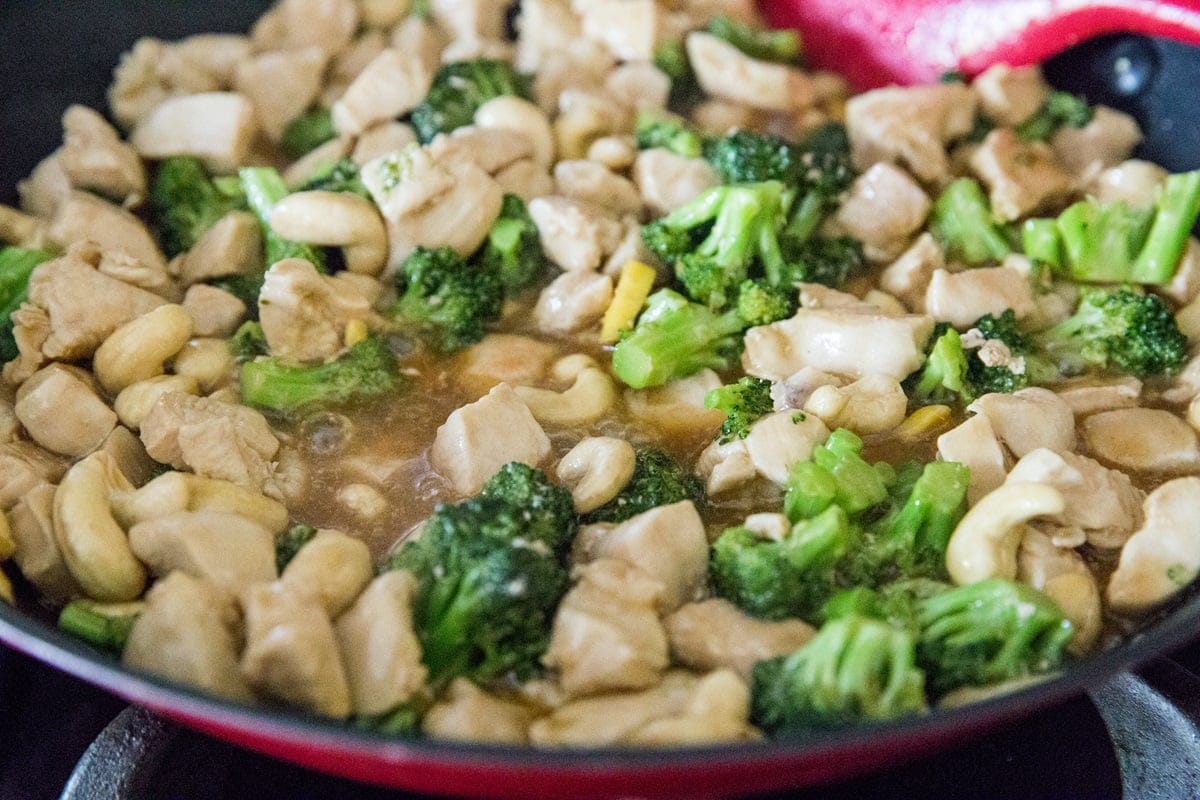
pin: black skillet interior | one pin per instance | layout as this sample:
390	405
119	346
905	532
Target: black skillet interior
63	53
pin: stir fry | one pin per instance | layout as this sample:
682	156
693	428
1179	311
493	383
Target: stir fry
586	374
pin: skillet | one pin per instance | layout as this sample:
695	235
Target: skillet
54	58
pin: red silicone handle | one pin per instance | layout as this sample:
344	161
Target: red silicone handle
877	42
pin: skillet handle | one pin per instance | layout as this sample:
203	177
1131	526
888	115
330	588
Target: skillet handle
1154	720
121	763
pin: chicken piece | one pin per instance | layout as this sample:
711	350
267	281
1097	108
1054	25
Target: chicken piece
470	19
910	126
573	302
332	566
1029	419
960	298
639	84
720	117
215	312
794	391
779	440
492	149
216	127
282	85
842	342
291	652
1102	503
431	203
884	208
1185	385
297	24
668	543
94	157
548	30
304	313
61	411
606	634
575	235
31	523
1064	576
392	85
45	188
1134	181
630	29
1142	439
1023	177
1087	395
718	711
1104	142
214	439
1185	285
727	73
31	329
187	633
668	181
526	179
233	246
591	182
871	404
1163	557
1010	95
24	466
83	217
227	550
974	444
126	450
379	648
908	277
725	467
467	713
678	407
715	633
154	71
502	358
349	63
479	438
615	152
215	55
381	139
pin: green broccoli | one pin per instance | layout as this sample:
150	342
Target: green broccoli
513	249
551	517
248	342
16	265
789	578
829	261
989	632
962	222
366	370
855	669
668	132
457	92
743	404
1041	243
1027	368
289	542
105	625
1061	109
671	58
943	379
447	296
402	721
759	303
836	475
826	172
657	480
778	46
185	202
264	188
748	157
307	132
673	339
896	603
340	176
1117	328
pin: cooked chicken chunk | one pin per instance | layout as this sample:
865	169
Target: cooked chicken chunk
974	444
390	86
1063	575
297	24
910	126
304	313
1142	439
1088	395
726	72
1029	419
61	410
467	713
871	404
576	235
282	85
216	127
1011	95
779	440
1104	142
668	181
94	157
594	183
715	633
332	566
885	207
83	217
503	358
1134	181
1164	555
960	298
1023	176
37	553
630	29
725	467
231	247
215	312
227	550
574	301
908	277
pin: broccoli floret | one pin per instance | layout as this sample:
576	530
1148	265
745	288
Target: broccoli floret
897	603
709	282
1041	243
828	261
105	625
657	480
185	202
943	379
962	222
264	188
248	342
759	303
1028	367
16	265
307	132
366	370
668	132
289	542
826	171
855	668
743	404
551	511
836	475
747	157
989	632
789	578
513	250
778	46
1114	243
1119	329
674	339
1061	109
341	176
459	89
454	300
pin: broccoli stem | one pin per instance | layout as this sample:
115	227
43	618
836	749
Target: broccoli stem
106	627
1178	206
264	188
962	222
678	342
368	369
1041	243
307	132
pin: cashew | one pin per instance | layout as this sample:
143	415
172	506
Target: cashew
8	545
135	401
6	589
94	546
136	350
577	128
174	492
596	470
522	116
335	219
207	361
984	545
588	398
